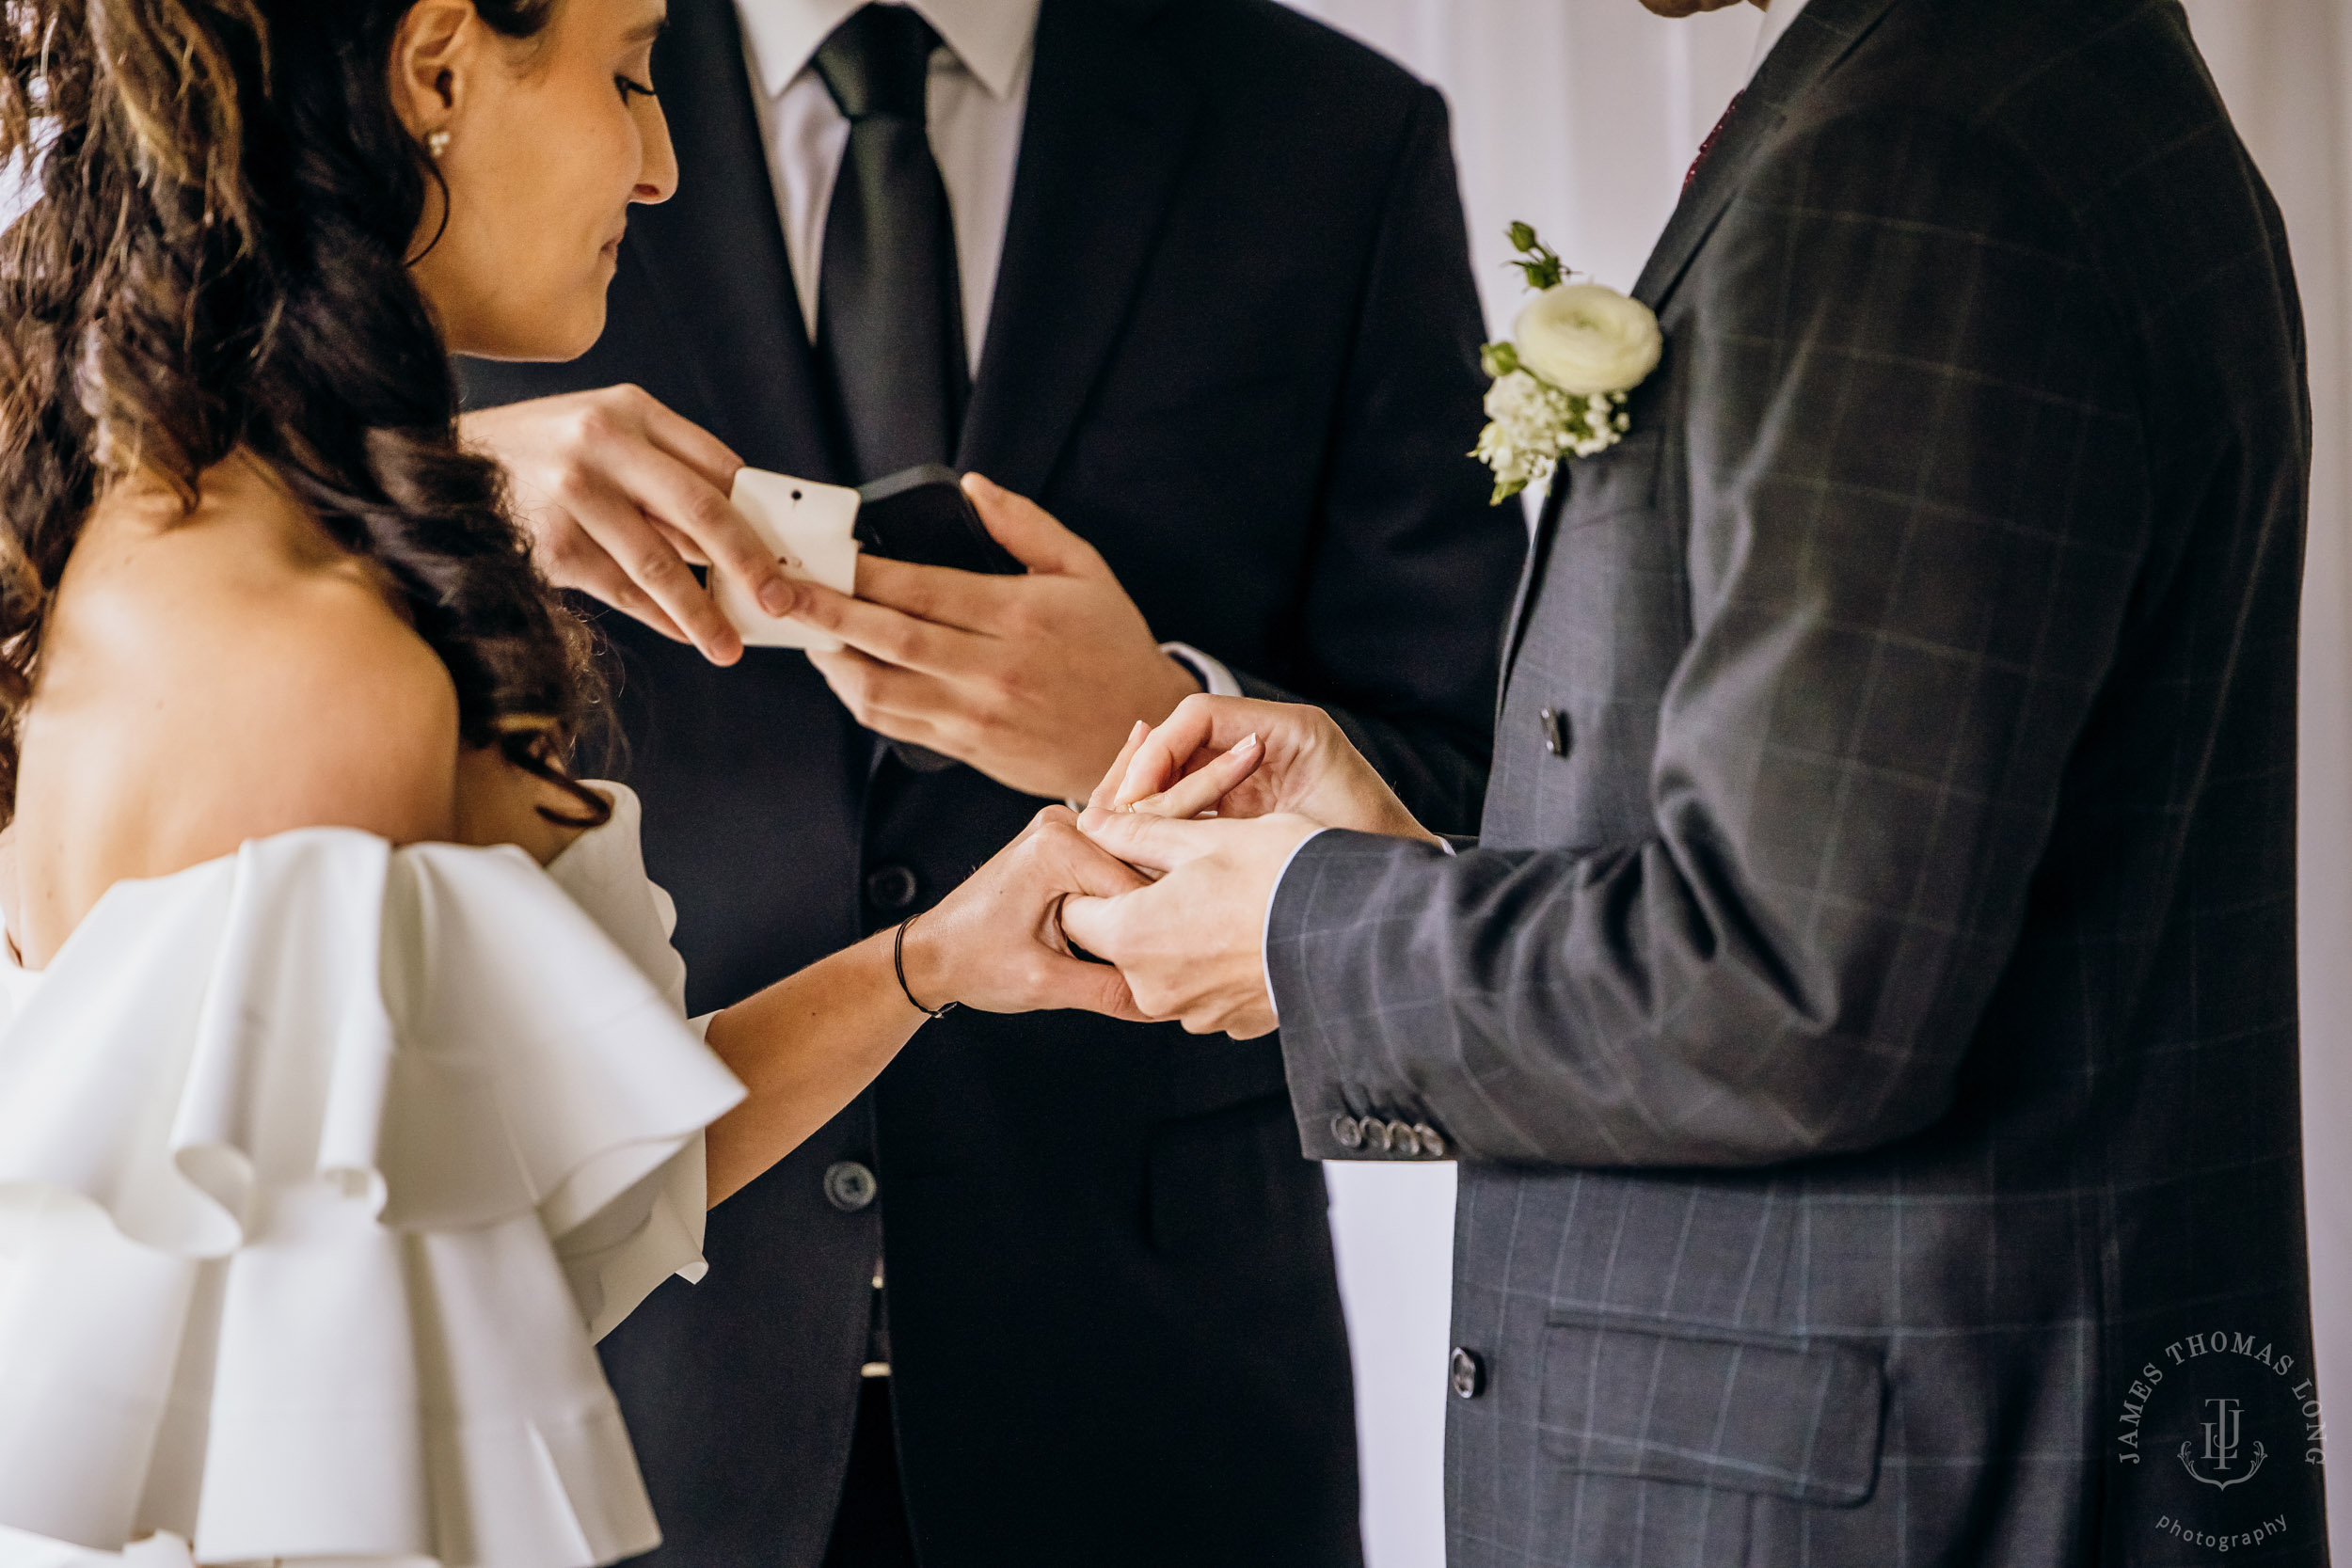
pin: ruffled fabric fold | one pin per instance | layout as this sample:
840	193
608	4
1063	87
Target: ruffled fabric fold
318	1164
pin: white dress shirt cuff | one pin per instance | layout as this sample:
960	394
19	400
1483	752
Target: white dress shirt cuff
1215	679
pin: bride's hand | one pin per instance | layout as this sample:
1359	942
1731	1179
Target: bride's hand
1244	758
995	943
1200	793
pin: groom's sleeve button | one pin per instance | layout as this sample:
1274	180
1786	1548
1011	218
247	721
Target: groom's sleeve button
1376	1135
1432	1144
1403	1140
1347	1131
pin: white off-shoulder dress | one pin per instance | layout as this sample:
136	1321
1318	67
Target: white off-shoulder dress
321	1166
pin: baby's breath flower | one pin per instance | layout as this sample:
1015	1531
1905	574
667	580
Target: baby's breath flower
1534	424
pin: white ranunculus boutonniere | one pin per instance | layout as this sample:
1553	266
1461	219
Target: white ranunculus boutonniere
1561	382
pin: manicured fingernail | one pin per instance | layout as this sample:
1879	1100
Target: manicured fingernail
1140	728
1248	743
778	597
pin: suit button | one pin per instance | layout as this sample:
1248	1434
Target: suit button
1432	1145
849	1186
890	888
1469	1375
1556	727
1347	1131
1375	1134
1403	1139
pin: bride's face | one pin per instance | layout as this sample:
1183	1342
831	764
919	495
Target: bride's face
550	140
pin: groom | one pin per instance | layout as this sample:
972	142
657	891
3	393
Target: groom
1868	1022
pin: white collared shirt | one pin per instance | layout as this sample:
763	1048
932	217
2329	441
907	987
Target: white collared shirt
1778	17
978	96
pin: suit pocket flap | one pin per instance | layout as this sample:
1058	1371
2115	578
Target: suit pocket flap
1749	1414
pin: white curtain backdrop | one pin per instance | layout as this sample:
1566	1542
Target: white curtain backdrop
1580	116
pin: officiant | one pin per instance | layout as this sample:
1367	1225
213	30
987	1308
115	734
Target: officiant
1059	1289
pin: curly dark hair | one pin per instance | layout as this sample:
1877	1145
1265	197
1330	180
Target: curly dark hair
217	260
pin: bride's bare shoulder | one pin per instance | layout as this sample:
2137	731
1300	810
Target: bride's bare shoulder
270	665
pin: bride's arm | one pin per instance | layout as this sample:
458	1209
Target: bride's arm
807	1045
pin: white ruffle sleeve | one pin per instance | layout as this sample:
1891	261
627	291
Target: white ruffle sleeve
318	1164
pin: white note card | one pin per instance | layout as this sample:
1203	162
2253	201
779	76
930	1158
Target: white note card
808	526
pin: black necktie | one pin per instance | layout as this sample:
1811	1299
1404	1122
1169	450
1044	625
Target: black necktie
889	311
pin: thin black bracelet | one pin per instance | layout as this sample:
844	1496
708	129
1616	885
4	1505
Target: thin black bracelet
898	962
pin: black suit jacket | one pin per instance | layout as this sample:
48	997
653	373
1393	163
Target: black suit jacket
1870	1016
1234	344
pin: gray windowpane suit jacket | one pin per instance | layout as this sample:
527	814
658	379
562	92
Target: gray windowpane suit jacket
1868	1022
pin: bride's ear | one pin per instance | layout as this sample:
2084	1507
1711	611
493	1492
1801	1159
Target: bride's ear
434	56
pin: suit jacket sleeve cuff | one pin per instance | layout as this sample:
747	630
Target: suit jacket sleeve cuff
1343	1113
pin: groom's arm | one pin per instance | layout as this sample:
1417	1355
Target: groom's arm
1916	517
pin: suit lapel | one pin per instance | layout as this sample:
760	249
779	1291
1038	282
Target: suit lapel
714	255
1108	123
1825	34
1538	555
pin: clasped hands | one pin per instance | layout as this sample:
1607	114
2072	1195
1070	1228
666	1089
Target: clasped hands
1031	679
1190	943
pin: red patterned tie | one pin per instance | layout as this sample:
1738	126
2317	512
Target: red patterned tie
1709	145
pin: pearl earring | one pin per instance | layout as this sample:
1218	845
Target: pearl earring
437	144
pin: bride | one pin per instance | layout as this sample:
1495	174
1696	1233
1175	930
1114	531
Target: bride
345	1091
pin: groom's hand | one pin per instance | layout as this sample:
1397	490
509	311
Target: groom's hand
1035	680
1192	944
621	497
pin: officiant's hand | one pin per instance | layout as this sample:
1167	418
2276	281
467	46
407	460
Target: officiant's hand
1034	680
1304	767
620	497
1192	944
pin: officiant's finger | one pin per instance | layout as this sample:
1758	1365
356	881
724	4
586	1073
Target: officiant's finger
1106	792
970	601
899	703
886	634
1200	791
1152	842
1036	538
